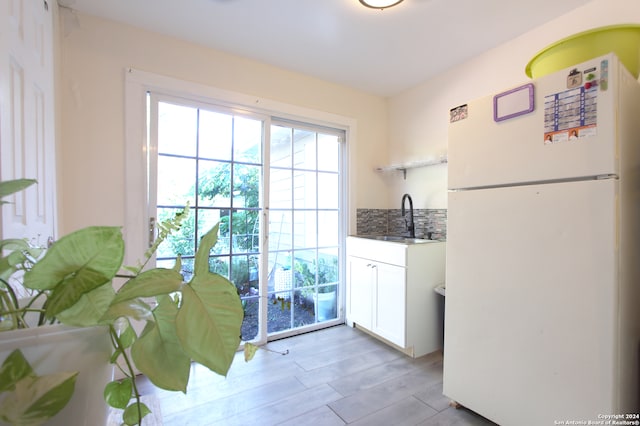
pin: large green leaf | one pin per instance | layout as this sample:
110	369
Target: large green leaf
14	244
249	351
209	322
118	393
76	264
158	353
201	265
18	251
90	308
11	186
127	335
7	304
131	416
211	314
14	368
6	268
136	309
150	283
11	263
36	399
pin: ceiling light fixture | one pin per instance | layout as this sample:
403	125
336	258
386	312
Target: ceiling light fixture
380	4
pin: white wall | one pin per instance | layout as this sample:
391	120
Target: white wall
419	117
95	53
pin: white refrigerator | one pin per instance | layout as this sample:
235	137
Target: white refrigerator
542	307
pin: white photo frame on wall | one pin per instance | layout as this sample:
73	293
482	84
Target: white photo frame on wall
513	103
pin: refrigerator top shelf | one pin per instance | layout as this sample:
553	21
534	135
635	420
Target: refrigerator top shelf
403	167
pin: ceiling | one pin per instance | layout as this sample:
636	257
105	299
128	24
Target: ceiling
383	52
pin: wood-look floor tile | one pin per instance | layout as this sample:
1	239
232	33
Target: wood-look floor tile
364	402
335	376
456	417
285	409
338	351
177	402
349	366
433	397
322	416
406	412
318	339
374	376
206	412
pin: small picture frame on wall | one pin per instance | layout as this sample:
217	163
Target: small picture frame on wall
458	113
513	103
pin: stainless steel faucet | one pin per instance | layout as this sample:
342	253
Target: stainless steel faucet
408	223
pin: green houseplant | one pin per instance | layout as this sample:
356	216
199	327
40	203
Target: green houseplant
72	283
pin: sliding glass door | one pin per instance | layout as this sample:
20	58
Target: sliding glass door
279	226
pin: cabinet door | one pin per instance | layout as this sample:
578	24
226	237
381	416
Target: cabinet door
389	316
360	290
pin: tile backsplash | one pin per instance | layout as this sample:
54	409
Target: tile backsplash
391	222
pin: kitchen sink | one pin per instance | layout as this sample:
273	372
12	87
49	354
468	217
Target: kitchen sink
417	240
397	239
386	238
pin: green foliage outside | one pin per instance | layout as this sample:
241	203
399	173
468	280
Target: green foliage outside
326	273
215	186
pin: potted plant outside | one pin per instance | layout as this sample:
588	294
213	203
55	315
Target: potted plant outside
326	300
323	294
72	284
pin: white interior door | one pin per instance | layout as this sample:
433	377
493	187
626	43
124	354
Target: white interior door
27	129
531	301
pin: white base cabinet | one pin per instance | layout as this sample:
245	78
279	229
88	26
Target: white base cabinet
389	309
359	291
390	292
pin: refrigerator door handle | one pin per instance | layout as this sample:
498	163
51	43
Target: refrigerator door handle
607	176
540	182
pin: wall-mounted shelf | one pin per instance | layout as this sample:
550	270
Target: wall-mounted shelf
403	167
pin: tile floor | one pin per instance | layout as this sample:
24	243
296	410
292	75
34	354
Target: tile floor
335	376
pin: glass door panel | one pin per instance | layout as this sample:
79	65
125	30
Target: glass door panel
304	275
212	160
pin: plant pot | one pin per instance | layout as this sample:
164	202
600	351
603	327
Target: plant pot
325	306
57	348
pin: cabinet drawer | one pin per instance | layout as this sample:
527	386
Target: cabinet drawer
379	251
